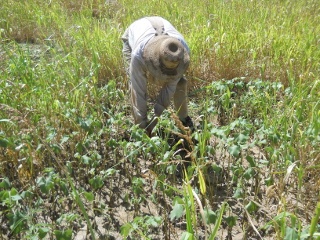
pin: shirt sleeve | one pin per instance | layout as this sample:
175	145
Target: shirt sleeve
138	81
164	97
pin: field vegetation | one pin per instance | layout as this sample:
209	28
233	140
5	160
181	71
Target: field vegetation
74	166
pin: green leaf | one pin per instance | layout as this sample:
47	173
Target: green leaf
126	230
291	234
274	137
137	185
242	138
86	160
251	161
79	147
45	184
249	173
89	196
216	168
110	172
210	216
63	235
64	139
16	221
70	217
4	195
16	197
153	221
4	142
27	194
186	236
251	207
5	183
234	150
169	192
63	187
231	220
43	232
279	217
96	182
238	193
13	191
269	181
177	211
177	200
51	136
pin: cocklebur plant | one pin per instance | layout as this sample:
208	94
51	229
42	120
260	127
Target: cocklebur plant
140	227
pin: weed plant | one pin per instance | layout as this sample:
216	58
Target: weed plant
74	166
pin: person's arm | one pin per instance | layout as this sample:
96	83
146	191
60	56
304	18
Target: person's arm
138	88
162	102
126	50
164	97
153	122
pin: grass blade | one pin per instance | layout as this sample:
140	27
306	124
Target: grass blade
80	204
218	222
314	221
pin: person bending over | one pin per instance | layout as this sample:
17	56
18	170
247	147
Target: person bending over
155	51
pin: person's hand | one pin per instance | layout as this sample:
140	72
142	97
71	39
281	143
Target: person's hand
151	125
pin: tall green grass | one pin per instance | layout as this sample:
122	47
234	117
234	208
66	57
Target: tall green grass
254	96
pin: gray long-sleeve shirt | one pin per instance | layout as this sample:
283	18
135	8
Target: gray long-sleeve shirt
137	36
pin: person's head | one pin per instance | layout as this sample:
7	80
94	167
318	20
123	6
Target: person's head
166	58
